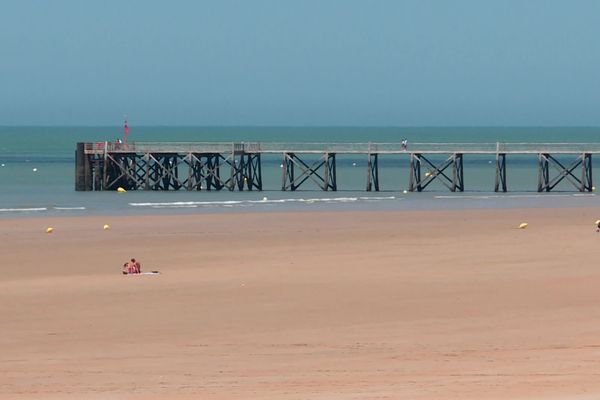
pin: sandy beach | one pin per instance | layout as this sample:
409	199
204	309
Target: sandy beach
322	305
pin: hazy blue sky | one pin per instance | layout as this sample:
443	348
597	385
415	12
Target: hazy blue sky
322	62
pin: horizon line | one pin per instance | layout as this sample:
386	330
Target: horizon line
290	126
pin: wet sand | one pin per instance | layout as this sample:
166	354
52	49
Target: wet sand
331	305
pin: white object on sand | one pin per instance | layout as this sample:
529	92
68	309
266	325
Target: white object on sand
145	273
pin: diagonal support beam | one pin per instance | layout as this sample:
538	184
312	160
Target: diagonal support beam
163	171
500	184
373	172
455	162
123	170
326	180
248	172
547	183
203	172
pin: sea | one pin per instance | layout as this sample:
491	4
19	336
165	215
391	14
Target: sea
37	172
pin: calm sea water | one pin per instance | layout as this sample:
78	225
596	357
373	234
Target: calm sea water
37	172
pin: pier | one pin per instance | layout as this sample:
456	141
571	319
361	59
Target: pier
237	166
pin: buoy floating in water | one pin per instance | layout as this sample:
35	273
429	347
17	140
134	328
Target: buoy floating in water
523	225
265	199
106	227
121	190
49	229
428	174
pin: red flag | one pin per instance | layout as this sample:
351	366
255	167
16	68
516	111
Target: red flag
125	132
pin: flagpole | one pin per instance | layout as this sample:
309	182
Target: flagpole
125	132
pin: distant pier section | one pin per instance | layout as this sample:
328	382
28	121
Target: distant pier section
237	166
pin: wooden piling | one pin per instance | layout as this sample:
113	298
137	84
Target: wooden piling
500	183
83	180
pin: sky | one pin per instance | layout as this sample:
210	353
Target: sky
300	63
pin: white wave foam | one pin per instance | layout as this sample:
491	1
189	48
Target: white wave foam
269	201
175	206
514	196
23	209
329	200
244	203
69	208
378	198
184	203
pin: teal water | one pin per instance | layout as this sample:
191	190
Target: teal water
49	190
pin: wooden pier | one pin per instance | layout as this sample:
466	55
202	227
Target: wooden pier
237	166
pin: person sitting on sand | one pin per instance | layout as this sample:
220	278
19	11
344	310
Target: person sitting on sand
132	267
136	266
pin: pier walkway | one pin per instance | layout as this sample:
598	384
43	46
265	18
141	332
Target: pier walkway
237	165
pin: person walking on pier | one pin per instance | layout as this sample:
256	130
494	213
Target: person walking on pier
404	144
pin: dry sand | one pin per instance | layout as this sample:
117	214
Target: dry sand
414	305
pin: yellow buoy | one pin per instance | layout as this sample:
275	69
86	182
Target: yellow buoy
121	190
593	188
428	174
49	229
106	227
597	221
523	225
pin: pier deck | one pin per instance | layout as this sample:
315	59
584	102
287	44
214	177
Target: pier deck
237	165
343	148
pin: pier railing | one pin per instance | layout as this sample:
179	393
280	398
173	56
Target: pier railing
340	148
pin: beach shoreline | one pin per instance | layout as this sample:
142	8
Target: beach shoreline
290	305
149	203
